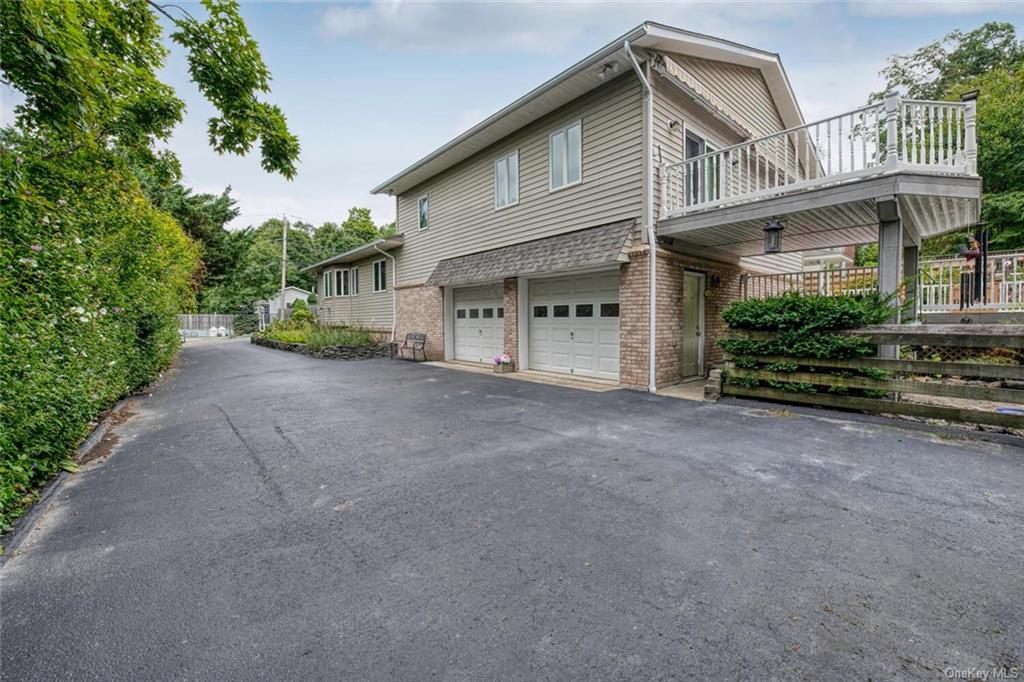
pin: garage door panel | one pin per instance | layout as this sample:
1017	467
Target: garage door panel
479	326
568	332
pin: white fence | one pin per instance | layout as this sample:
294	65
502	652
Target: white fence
205	325
897	134
943	284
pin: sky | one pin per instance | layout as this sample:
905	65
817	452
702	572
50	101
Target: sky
371	87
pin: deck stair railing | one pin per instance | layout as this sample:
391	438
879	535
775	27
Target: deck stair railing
943	284
896	134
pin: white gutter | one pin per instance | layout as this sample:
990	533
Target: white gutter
652	240
394	283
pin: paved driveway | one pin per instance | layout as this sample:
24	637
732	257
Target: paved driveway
272	516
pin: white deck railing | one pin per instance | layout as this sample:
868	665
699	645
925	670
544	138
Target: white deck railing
897	134
943	284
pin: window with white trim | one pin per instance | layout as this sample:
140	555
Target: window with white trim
342	285
380	275
506	180
329	284
355	281
565	153
424	211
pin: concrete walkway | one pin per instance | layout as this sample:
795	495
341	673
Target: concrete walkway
271	516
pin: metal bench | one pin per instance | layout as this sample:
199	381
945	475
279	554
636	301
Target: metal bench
414	341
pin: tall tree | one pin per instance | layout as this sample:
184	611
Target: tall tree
88	71
989	59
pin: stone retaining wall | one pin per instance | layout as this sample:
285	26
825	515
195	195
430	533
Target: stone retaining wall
379	350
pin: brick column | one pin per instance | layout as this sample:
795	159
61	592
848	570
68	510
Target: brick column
510	302
633	319
421	309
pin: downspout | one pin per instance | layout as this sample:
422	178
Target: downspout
394	283
652	240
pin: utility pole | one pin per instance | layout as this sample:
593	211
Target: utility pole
284	262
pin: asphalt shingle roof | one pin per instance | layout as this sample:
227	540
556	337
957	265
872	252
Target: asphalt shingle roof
594	246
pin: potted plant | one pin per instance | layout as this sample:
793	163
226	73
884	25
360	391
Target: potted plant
502	364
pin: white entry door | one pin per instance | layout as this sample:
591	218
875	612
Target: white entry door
479	323
692	352
574	325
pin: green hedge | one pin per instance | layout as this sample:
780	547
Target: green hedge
806	327
92	277
302	331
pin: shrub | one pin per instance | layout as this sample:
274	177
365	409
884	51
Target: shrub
300	311
92	278
804	326
297	331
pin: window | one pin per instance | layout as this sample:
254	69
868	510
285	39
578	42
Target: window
501	312
565	151
609	310
488	313
474	313
584	310
460	313
380	275
559	311
703	177
424	213
342	286
355	281
506	180
540	311
329	284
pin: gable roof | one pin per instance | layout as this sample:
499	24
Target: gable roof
585	76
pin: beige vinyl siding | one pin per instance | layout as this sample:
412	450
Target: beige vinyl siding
463	218
369	309
774	263
741	88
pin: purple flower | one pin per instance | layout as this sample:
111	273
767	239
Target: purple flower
36	247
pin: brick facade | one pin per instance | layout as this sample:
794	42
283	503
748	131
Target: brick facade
722	286
421	309
510	302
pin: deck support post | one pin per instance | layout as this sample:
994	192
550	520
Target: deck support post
890	261
911	252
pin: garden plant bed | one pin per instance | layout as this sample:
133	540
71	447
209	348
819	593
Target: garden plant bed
375	350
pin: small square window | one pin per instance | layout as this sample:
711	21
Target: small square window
460	313
501	312
609	310
474	313
559	311
540	311
584	310
488	313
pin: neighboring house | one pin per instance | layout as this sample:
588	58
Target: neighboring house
832	258
356	288
530	233
270	309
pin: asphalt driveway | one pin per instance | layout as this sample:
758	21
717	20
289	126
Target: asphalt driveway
272	516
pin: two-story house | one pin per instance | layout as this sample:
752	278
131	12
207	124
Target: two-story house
531	233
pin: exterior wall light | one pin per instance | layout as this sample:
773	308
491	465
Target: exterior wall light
773	236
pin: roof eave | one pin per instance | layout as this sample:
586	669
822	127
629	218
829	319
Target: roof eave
359	252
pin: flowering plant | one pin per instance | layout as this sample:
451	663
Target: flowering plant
502	359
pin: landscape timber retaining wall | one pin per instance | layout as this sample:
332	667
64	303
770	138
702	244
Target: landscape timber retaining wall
379	350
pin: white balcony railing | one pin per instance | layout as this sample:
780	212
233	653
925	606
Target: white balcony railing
897	134
943	284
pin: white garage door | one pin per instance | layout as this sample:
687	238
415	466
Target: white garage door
574	325
479	323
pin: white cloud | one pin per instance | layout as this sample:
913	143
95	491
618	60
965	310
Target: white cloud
919	8
540	27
